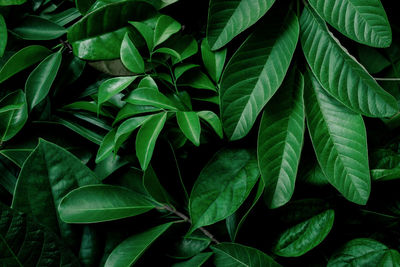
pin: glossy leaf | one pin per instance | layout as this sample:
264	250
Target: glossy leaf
3	34
84	5
11	2
189	246
147	33
339	73
231	254
148	82
222	186
106	146
151	97
213	61
13	114
38	28
130	110
197	79
147	137
227	19
130	56
40	80
196	261
212	119
165	27
169	52
280	140
126	129
189	123
304	236
185	46
100	203
182	68
363	21
253	74
340	142
130	250
113	86
23	59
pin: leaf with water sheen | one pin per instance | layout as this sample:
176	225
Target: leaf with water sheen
151	97
165	27
113	86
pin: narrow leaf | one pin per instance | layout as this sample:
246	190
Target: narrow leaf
126	129
151	97
106	146
189	123
38	28
213	61
3	35
13	114
113	86
212	119
130	56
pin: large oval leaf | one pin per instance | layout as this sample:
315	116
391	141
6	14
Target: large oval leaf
231	254
255	72
364	21
13	114
37	28
226	19
339	73
222	186
100	203
340	142
280	140
304	236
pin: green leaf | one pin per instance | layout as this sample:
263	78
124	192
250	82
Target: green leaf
101	203
304	236
106	146
84	5
222	186
87	106
231	254
130	56
182	68
49	173
185	46
146	31
364	21
151	97
255	72
148	82
154	187
189	123
11	2
8	179
37	28
113	86
197	79
169	52
165	27
338	72
196	261
23	59
3	34
130	250
372	59
213	61
226	19
280	140
40	80
130	110
189	246
147	137
126	129
365	252
212	119
340	142
13	114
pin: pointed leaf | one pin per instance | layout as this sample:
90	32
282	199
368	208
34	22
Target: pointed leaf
197	79
38	28
106	146
130	56
213	61
165	27
185	45
13	114
3	34
126	129
212	119
148	82
196	261
130	110
146	31
182	68
189	123
149	96
113	86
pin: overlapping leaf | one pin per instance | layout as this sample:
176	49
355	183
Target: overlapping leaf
13	114
189	123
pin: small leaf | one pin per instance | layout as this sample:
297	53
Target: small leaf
148	82
13	114
113	86
130	56
38	28
182	68
165	27
196	261
151	97
126	129
147	33
170	52
106	146
101	203
197	79
189	123
3	34
213	61
185	45
212	119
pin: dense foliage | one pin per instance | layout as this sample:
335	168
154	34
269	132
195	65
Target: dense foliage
190	133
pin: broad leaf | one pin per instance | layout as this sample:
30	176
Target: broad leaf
147	33
196	261
38	28
226	19
189	123
255	72
340	142
13	114
212	119
3	34
151	97
165	27
213	61
130	56
40	80
113	86
280	140
364	21
106	146
130	250
231	254
222	186
304	236
100	203
339	73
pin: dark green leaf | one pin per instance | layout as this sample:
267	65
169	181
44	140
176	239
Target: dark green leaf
196	261
151	97
189	123
130	56
113	86
106	146
11	2
3	34
197	79
165	27
37	28
13	114
154	187
212	119
213	61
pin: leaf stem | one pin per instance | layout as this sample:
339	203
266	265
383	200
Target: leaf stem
388	79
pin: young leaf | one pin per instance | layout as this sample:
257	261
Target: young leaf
231	254
338	72
106	146
227	19
165	27
255	72
38	28
280	140
130	56
13	114
222	186
340	142
101	203
304	236
3	34
130	250
365	21
147	137
189	123
113	86
196	261
39	82
213	61
212	119
149	96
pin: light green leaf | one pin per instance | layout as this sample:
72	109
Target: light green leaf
130	250
339	73
236	255
304	236
340	142
196	261
147	137
226	19
364	21
38	28
189	123
40	80
165	27
213	61
151	97
3	35
148	82
130	56
106	146
170	52
100	203
11	2
84	5
126	129
280	140
364	252
197	79
113	86
13	114
222	186
255	72
212	119
23	59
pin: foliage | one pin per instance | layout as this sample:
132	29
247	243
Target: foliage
197	133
